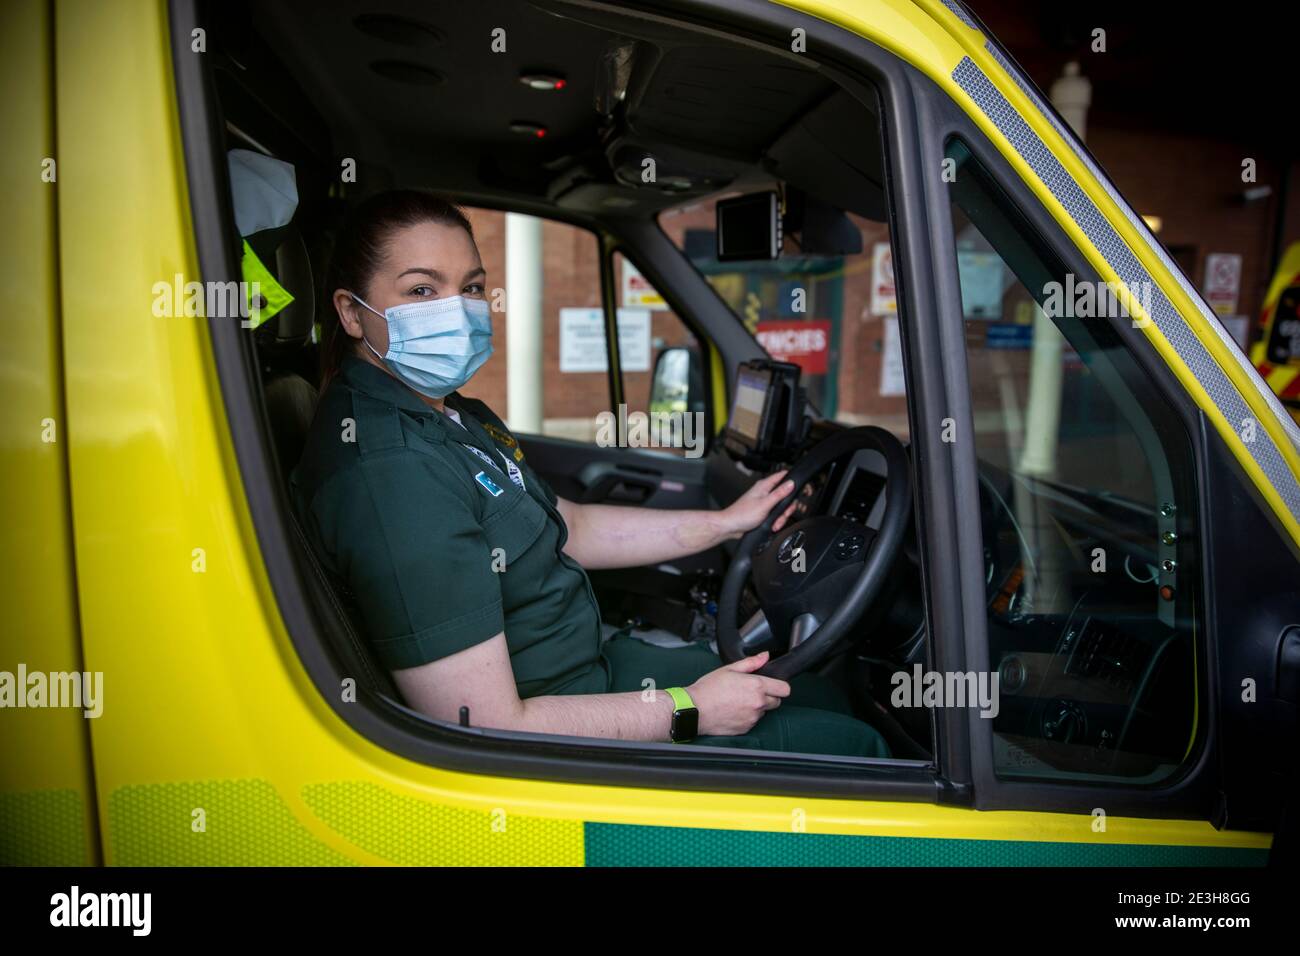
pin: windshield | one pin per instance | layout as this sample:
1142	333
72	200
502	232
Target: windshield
833	315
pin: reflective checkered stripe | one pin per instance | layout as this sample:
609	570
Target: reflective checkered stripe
960	13
43	828
251	822
1131	272
254	822
1139	225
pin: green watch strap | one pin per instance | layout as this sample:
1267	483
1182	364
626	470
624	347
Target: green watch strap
681	699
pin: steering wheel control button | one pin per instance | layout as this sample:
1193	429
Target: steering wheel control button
848	547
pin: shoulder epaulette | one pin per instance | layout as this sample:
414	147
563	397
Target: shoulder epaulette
378	425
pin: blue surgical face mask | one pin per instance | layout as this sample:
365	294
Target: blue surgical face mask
437	345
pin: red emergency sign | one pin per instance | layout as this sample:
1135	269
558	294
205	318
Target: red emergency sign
806	343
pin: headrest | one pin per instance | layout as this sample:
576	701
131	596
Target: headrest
292	325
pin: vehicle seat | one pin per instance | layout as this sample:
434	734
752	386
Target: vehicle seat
290	404
284	352
283	347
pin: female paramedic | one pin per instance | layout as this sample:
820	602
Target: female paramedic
466	568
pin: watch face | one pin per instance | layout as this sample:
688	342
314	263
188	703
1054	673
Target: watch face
686	723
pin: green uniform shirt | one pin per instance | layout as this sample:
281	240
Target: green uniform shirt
419	518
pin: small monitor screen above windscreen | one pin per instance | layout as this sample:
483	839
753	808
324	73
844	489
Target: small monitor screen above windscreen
749	228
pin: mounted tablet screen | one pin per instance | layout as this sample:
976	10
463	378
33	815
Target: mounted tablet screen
750	404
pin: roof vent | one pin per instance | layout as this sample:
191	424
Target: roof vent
399	30
411	74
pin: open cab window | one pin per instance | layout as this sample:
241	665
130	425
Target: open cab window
1087	505
829	305
832	309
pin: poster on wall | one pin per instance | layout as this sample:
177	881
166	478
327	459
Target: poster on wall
638	293
1222	281
883	300
981	284
582	340
805	343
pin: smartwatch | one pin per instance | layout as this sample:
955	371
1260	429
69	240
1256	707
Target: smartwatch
686	716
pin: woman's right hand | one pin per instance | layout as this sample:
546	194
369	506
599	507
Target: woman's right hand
731	699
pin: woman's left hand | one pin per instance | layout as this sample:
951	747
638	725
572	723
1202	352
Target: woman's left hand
751	509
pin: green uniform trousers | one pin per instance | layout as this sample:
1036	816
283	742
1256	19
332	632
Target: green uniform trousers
816	718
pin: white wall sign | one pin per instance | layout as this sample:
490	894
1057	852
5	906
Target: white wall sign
1222	281
981	284
582	340
891	360
882	280
638	293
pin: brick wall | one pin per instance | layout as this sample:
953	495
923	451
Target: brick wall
1193	183
570	279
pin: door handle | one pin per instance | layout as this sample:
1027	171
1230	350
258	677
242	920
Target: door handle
615	486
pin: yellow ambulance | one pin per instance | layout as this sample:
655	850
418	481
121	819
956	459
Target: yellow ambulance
1096	498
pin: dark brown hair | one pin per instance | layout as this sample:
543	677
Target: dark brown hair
359	249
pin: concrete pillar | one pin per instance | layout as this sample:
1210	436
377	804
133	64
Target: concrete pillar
1043	416
1071	95
524	323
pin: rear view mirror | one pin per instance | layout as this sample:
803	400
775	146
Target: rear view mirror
817	228
749	227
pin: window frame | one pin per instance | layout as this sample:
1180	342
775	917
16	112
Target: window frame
1191	792
599	239
856	64
620	247
837	326
608	243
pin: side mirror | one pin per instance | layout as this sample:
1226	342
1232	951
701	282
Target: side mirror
678	382
676	391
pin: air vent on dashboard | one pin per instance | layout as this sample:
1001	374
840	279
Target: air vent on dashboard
1104	653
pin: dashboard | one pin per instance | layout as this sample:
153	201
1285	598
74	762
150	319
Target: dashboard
1094	664
1094	668
852	490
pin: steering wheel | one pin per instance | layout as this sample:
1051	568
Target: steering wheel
824	571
